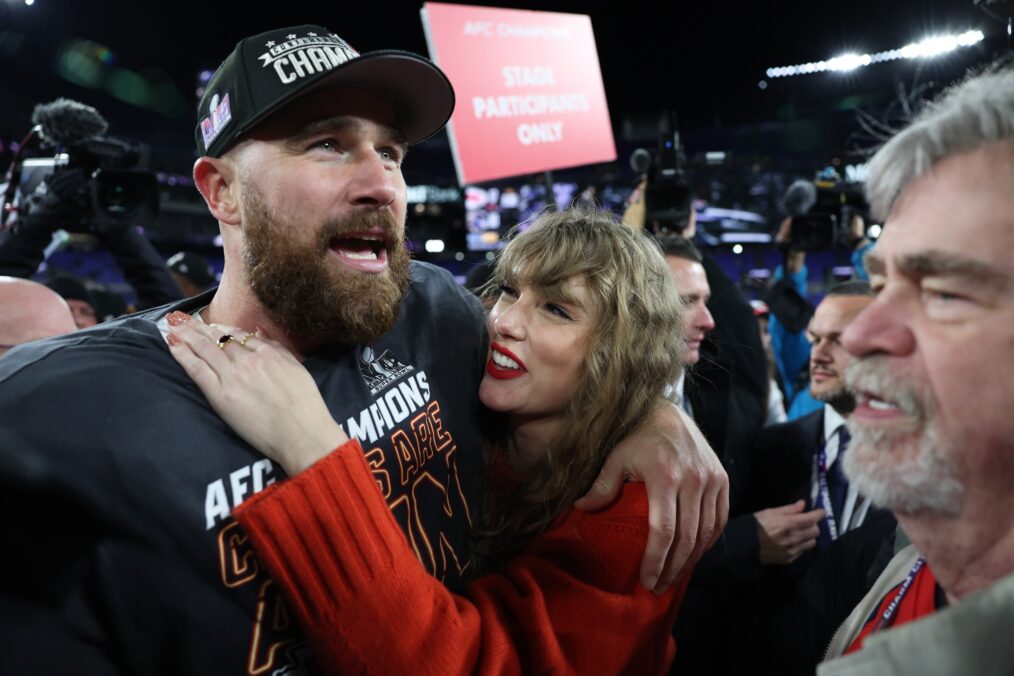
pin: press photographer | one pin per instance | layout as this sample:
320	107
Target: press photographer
663	201
824	214
93	185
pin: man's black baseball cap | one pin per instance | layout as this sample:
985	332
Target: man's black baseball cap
267	71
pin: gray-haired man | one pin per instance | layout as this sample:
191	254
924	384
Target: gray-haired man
933	431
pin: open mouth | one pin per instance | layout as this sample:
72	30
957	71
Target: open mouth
504	364
870	405
361	251
878	404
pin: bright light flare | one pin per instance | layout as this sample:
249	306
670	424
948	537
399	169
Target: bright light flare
847	62
924	49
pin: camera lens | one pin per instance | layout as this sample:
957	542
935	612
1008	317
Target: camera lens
125	196
116	199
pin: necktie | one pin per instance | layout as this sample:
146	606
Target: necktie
837	490
837	484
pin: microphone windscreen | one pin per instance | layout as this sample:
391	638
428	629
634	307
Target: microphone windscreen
640	161
68	123
800	197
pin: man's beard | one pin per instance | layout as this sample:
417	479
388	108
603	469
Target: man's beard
906	470
308	294
840	399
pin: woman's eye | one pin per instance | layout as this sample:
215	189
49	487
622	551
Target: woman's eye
507	290
556	310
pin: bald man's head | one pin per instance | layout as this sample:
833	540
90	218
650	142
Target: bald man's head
28	311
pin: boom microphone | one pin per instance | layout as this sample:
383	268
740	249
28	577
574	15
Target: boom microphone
800	197
67	123
640	161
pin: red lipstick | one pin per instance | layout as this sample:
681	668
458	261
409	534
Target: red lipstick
500	373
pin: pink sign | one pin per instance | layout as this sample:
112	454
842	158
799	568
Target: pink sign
529	90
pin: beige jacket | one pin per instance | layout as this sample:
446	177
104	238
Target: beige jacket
975	636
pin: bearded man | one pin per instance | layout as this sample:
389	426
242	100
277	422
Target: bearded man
118	477
932	431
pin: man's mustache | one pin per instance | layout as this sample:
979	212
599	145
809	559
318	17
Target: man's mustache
361	222
872	377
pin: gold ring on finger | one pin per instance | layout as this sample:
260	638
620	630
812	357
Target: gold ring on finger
224	340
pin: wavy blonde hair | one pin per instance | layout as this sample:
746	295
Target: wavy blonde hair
635	347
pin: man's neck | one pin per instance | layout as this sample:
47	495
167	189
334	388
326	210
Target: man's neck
235	304
967	552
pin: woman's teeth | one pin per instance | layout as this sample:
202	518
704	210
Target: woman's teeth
503	361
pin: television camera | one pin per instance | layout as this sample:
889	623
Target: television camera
667	194
824	212
93	183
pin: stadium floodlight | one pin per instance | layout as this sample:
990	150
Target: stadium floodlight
847	62
924	49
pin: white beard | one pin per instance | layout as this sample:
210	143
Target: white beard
905	470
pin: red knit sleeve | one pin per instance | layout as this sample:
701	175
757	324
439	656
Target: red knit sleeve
570	603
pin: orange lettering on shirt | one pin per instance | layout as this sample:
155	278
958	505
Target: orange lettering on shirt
236	559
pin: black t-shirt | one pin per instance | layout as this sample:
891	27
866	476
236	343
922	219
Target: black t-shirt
117	481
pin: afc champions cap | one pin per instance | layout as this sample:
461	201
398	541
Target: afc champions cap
267	71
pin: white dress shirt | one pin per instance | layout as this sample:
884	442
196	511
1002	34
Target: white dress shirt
674	393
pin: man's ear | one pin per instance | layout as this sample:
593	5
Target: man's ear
215	178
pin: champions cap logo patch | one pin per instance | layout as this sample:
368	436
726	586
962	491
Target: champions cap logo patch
379	372
219	115
298	57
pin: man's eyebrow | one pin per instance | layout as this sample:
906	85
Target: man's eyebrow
314	127
341	123
937	263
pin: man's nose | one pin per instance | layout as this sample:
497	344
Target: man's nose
820	351
374	183
707	321
881	328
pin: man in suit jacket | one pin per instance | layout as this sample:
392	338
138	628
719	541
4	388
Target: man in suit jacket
724	385
724	390
791	475
797	465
